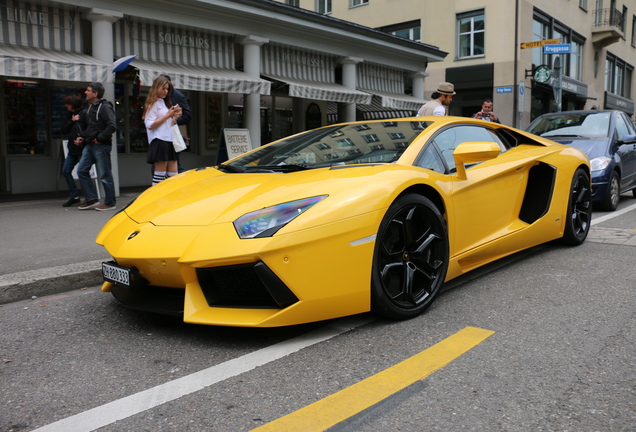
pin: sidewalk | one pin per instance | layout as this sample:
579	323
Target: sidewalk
47	248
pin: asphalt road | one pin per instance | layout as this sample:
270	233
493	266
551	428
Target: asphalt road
562	357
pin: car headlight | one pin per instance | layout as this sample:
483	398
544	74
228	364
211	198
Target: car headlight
266	222
600	163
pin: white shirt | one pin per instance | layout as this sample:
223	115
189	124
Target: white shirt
163	132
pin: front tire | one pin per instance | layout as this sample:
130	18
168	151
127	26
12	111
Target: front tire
410	258
579	216
613	194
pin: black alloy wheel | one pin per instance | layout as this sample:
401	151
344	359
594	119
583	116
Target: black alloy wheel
579	216
410	259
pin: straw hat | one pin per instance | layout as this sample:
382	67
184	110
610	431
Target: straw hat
446	88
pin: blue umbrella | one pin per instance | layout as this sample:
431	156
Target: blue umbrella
123	62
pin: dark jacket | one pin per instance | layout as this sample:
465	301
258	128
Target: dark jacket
100	123
179	98
73	129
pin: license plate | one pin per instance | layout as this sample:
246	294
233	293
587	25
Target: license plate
116	274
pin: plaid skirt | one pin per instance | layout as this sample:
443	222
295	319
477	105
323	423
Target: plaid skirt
161	151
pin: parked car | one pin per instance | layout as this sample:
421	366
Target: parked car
345	219
609	140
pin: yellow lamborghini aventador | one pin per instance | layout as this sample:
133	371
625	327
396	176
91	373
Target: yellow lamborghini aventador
349	218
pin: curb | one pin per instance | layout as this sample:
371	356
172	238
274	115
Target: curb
52	280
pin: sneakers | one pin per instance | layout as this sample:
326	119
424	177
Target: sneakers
89	204
105	207
71	202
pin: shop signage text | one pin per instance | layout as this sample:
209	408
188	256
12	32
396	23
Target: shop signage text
537	44
237	141
183	40
304	60
24	16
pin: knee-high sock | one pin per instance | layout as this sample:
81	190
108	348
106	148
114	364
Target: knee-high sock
158	176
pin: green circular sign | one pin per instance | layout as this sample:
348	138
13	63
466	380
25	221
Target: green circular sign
542	74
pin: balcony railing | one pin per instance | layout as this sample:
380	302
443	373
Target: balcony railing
608	26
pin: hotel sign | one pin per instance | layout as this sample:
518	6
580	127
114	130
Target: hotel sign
538	44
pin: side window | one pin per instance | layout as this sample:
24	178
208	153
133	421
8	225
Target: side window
623	127
448	140
431	160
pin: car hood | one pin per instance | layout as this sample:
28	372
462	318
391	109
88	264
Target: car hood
591	147
203	197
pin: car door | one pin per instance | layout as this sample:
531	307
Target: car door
627	152
485	205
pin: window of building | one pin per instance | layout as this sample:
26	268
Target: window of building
409	30
545	27
412	34
323	6
634	31
583	4
471	34
359	2
295	3
618	76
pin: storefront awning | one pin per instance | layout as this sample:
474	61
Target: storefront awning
323	91
199	78
396	101
29	62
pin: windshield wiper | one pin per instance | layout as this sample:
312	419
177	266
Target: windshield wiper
277	168
563	135
230	168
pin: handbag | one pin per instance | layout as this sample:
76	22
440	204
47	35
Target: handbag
177	140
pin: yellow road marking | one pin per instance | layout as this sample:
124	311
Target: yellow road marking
346	403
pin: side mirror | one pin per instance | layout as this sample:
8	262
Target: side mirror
473	152
627	139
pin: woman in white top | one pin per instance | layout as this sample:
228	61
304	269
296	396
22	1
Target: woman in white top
159	116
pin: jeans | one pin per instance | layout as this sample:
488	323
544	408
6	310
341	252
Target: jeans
98	154
67	171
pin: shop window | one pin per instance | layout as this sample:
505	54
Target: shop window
26	108
313	117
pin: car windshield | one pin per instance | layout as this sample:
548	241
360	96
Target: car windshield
357	143
572	124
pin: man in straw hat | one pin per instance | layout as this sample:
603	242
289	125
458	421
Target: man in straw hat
439	102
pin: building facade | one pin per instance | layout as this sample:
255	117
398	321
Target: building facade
496	50
257	65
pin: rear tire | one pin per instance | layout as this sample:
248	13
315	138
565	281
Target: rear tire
410	258
579	216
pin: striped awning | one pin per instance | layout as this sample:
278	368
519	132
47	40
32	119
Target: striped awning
396	101
199	78
322	91
29	62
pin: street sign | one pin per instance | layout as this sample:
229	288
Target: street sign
538	44
557	49
504	89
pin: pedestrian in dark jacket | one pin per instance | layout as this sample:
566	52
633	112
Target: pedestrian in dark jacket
72	127
98	137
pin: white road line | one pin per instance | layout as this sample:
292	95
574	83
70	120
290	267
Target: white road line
613	214
134	404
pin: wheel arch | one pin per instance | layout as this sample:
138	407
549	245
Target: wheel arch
428	192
